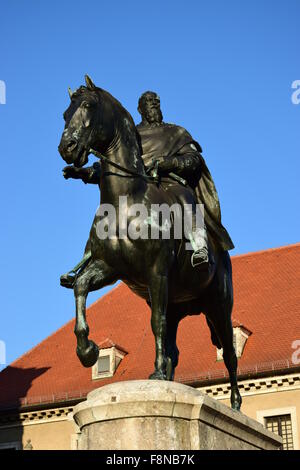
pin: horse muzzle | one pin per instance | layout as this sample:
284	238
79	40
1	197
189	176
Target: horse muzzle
66	150
82	158
72	153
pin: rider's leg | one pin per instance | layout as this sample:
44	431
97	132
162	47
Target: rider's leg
67	280
199	242
83	262
199	239
195	229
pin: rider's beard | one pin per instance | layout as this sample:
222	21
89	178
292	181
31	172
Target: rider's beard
154	116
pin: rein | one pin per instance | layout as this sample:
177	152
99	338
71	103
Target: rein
130	172
147	178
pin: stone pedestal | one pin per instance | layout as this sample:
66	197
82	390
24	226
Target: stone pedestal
161	415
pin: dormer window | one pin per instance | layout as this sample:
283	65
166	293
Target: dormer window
110	356
103	364
240	336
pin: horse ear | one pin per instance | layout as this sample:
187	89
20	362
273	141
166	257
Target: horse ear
70	92
89	83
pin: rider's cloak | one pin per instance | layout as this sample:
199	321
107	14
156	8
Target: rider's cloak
168	140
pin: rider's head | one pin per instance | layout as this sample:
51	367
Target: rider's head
149	108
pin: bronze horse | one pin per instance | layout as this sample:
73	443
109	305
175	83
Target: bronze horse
158	270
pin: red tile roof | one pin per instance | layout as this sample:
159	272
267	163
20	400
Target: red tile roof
267	303
108	343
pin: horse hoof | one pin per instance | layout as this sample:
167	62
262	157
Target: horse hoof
236	401
157	375
236	406
88	357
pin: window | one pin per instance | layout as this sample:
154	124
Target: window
108	361
281	425
11	446
104	364
282	421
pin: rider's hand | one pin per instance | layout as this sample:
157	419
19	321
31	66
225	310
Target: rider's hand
166	164
69	172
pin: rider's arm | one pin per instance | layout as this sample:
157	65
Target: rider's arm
92	175
186	163
89	175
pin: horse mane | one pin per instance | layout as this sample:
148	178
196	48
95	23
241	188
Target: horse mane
125	112
119	105
101	92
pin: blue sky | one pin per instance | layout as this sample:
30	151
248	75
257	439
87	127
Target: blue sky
223	70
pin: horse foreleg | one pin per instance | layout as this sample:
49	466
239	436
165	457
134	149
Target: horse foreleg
158	290
95	276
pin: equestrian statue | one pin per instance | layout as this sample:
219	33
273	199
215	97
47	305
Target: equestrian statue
154	164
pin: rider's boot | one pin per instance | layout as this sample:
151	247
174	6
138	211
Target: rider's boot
67	280
199	242
200	257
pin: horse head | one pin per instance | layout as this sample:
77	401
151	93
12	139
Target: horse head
89	124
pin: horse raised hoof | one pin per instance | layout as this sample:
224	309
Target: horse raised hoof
89	356
66	280
158	375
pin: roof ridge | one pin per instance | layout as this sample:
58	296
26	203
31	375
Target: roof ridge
267	250
37	345
253	369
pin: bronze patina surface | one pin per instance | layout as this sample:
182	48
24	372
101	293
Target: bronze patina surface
158	270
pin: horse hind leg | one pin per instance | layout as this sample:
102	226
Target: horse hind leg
172	351
213	335
158	290
222	332
218	313
95	276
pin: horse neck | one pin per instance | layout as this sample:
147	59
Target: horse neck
124	150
